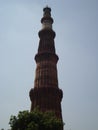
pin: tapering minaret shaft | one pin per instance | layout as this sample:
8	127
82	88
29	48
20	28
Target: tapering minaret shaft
46	93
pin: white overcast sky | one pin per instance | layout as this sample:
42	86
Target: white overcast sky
76	27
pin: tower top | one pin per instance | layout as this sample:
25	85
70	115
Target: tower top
47	11
47	20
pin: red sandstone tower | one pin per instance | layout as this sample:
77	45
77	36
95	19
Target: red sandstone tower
46	93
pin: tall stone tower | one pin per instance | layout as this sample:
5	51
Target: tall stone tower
46	93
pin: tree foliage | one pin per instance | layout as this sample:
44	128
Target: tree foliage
35	120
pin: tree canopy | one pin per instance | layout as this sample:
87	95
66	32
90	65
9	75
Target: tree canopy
35	120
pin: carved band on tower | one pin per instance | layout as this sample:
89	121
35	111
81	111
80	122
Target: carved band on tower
46	93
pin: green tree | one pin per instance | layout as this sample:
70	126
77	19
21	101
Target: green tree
35	120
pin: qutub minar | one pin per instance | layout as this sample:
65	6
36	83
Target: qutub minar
46	93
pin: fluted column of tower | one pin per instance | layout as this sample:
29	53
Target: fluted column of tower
46	93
